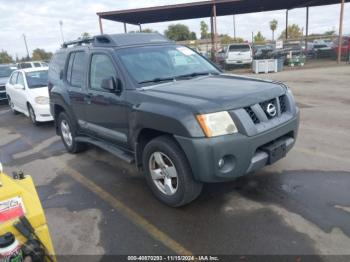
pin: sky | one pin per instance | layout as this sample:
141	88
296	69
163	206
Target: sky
39	21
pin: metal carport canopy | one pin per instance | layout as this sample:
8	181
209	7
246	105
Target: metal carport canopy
204	9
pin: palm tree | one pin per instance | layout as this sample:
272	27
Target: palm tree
273	27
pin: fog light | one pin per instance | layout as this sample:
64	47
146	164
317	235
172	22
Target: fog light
221	163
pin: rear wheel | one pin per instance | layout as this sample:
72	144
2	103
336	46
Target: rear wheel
12	106
168	172
68	134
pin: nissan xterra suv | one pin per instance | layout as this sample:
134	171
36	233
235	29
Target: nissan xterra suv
168	110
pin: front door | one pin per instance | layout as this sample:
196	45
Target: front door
106	110
75	81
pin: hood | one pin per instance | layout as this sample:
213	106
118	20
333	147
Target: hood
216	93
41	91
3	80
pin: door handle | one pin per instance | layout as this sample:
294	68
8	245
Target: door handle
88	98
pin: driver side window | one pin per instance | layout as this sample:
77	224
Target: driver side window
101	68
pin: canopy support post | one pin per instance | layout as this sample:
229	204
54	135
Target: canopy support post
100	24
307	28
140	27
287	24
340	40
125	30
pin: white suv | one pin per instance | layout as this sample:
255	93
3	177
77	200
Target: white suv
239	54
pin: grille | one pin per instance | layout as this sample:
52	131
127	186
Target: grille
2	88
283	104
252	115
264	106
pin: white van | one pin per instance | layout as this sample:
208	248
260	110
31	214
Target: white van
239	54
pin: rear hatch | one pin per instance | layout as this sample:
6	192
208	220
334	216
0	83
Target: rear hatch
239	52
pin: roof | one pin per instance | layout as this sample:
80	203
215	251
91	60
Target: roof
204	9
33	69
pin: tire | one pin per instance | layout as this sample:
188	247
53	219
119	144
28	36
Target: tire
164	159
32	115
68	134
12	106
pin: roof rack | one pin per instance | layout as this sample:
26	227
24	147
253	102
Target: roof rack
96	40
120	40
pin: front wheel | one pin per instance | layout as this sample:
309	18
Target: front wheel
168	172
68	134
32	115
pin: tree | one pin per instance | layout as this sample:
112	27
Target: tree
85	35
226	39
273	27
259	38
329	33
294	31
5	58
178	32
193	36
204	30
41	54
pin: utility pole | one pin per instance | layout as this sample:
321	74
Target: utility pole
25	43
340	41
234	27
61	25
252	37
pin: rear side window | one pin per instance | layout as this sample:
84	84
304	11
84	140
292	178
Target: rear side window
37	65
20	79
26	65
101	68
77	63
56	65
13	78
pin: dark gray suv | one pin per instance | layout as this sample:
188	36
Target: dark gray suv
168	110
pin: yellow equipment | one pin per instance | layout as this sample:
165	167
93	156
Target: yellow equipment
18	197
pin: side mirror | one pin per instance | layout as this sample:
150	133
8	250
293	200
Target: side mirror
18	86
111	85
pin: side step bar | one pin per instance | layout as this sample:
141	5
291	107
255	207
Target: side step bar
126	156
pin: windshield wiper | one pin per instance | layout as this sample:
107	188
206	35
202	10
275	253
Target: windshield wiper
194	74
157	80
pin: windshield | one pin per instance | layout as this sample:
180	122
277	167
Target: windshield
37	79
5	71
164	63
239	48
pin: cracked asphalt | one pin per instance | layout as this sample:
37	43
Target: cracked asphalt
96	204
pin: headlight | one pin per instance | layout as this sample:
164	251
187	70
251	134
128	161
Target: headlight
217	124
42	100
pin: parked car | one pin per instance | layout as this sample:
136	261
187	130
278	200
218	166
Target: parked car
169	111
262	51
345	47
321	51
5	72
289	51
238	54
27	93
32	64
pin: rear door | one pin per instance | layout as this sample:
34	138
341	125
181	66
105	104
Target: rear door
20	96
75	81
10	86
106	111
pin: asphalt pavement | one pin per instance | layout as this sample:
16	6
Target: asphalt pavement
96	204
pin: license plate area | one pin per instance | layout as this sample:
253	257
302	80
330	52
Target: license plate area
275	151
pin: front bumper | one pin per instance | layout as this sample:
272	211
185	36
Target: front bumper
42	113
3	95
243	154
